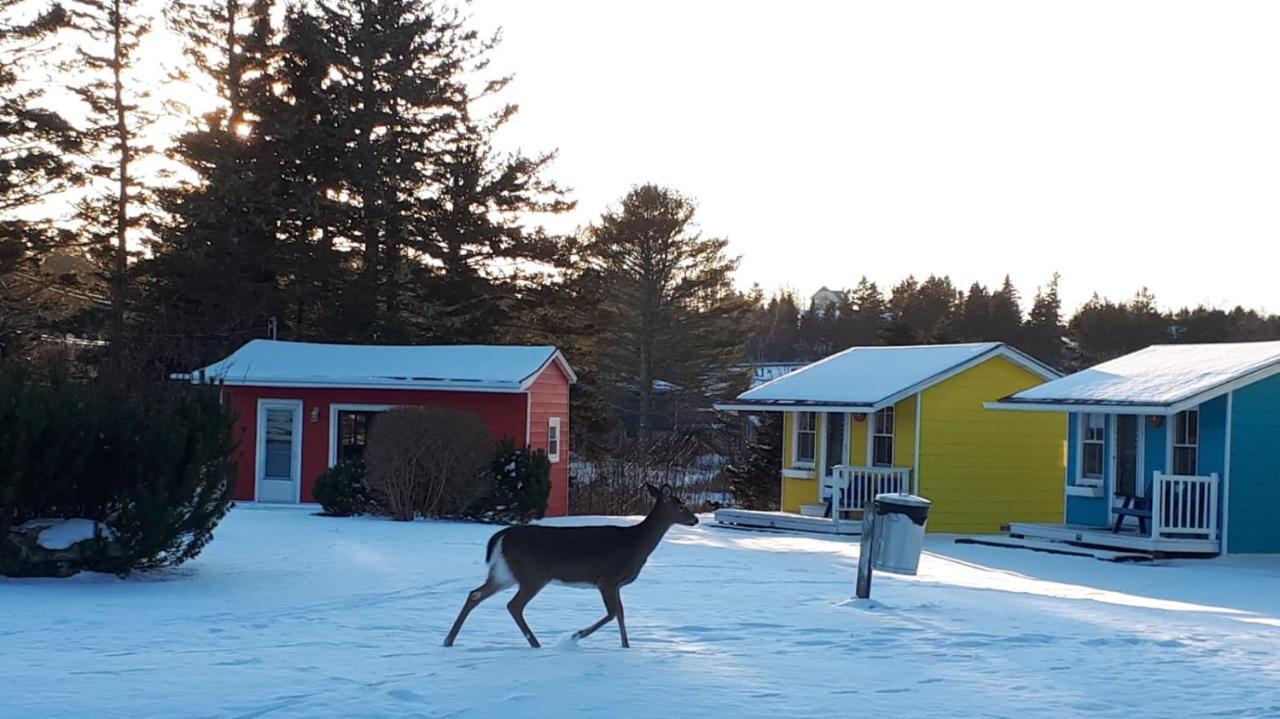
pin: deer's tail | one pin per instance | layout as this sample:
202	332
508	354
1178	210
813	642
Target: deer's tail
499	570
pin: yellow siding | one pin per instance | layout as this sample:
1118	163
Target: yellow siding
796	492
904	433
985	468
858	440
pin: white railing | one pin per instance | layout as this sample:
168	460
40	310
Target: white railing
1184	506
851	489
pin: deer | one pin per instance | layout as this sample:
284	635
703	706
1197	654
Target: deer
606	557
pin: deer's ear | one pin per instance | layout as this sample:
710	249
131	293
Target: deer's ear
653	491
667	491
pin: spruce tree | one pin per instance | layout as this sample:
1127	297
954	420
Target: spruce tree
869	315
756	480
1006	314
1044	329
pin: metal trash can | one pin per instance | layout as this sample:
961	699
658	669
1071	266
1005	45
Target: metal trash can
899	532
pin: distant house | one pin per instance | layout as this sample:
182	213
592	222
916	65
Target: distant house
888	419
823	299
1175	448
301	407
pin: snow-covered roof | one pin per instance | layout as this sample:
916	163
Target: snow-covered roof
1160	379
490	368
872	377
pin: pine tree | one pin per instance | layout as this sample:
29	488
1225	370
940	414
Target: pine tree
756	481
110	32
34	144
665	305
974	321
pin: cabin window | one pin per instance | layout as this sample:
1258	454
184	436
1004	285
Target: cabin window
553	439
806	437
353	433
882	439
1186	442
1092	442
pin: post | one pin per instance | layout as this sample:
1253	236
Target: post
1157	505
866	549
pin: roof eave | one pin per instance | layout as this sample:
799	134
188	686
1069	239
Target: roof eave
791	406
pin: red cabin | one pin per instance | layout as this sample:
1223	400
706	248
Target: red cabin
301	406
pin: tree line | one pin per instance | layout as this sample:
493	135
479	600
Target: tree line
935	311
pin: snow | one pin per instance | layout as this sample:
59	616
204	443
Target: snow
63	533
865	376
292	615
478	367
1159	375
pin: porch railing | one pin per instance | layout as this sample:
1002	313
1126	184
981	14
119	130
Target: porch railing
851	489
1184	506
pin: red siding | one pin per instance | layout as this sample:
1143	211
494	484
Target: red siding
549	397
504	413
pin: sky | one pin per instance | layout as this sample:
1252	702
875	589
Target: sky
1122	144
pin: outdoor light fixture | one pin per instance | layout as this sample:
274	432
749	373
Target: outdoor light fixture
1156	420
315	415
859	416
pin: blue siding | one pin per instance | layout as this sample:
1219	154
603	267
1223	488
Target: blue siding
1211	456
1088	511
1255	468
1155	447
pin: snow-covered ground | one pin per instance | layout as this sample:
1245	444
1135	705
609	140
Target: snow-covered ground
292	615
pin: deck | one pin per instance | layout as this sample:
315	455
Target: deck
1126	539
787	521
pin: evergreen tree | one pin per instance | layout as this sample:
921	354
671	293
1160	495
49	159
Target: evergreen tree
1044	329
34	144
755	481
869	311
106	57
228	216
1006	315
974	321
665	306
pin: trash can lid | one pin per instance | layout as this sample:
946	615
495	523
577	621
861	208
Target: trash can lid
909	500
914	508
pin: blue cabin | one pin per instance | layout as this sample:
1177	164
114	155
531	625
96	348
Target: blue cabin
1172	449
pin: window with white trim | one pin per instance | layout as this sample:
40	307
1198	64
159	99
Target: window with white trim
1093	430
553	439
806	437
1186	442
882	438
353	432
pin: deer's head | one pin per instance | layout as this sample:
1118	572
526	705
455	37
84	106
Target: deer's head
669	507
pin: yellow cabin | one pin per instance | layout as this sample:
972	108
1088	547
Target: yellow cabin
891	419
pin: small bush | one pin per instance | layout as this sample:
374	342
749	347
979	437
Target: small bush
521	483
427	460
341	490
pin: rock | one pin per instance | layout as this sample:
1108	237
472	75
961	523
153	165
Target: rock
57	548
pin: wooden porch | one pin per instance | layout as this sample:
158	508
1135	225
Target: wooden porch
1180	516
844	495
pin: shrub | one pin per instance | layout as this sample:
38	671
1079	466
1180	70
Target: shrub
428	461
341	490
147	458
521	483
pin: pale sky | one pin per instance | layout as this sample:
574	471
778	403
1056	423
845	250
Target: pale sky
1120	143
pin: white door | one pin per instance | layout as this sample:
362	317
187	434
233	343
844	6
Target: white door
279	450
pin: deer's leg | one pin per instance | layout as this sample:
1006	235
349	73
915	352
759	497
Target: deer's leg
622	622
516	607
477	595
610	613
